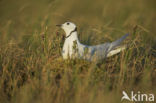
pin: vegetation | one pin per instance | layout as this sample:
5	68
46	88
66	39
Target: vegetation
31	66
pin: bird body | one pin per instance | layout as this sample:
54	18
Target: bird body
72	47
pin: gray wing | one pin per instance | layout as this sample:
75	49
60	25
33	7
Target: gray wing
98	52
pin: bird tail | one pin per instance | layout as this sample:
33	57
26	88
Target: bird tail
116	50
117	42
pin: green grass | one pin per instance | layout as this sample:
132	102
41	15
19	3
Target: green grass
31	66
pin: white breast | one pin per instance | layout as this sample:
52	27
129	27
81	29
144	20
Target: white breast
68	45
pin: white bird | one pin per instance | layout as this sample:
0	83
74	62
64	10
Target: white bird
72	47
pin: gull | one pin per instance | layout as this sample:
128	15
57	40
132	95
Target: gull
72	47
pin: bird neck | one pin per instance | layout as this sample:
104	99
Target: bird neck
69	33
72	36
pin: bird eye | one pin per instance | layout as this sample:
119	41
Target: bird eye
67	23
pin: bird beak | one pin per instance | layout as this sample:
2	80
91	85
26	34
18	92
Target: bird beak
59	25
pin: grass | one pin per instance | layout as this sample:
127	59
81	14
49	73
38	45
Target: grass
31	66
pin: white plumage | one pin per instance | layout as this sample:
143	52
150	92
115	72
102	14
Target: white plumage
72	48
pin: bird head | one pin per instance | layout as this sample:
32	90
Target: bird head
68	27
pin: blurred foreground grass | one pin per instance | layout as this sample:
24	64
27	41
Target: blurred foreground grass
33	71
